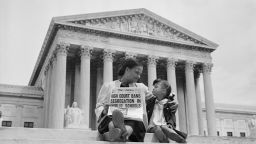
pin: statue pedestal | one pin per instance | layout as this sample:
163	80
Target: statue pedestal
73	126
253	132
252	127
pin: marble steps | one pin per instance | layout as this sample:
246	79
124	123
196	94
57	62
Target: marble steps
77	136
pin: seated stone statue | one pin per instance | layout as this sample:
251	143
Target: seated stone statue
252	127
73	116
1	119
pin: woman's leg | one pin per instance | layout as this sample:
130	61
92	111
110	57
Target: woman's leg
128	132
117	129
159	134
137	130
171	134
114	134
118	120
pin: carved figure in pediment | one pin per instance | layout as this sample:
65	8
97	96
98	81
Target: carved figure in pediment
124	25
103	22
161	30
169	34
93	22
99	23
164	32
134	25
115	24
143	27
88	23
151	29
177	36
158	30
108	24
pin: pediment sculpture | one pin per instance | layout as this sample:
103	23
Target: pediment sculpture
138	24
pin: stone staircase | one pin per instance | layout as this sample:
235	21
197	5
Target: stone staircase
77	136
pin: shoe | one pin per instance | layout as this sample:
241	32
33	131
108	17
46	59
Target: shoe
118	120
171	134
160	135
114	134
182	134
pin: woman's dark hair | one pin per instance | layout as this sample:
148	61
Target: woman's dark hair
128	63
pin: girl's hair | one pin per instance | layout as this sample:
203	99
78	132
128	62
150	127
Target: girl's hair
166	86
128	63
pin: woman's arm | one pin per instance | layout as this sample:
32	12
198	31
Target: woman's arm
102	100
148	94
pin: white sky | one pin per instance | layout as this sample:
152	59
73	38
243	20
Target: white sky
229	23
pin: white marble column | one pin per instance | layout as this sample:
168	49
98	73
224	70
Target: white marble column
171	77
47	94
151	71
51	91
58	97
99	78
199	104
99	82
191	97
182	105
209	102
84	99
77	83
108	65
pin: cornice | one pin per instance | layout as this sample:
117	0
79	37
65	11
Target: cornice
132	36
21	91
21	95
242	112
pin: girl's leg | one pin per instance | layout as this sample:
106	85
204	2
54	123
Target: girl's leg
159	134
137	130
171	134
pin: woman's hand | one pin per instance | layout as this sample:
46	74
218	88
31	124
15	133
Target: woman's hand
105	110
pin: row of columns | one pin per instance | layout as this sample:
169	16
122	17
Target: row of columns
57	85
56	77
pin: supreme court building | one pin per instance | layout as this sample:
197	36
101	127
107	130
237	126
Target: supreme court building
81	52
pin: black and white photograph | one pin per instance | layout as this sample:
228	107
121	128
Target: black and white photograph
111	71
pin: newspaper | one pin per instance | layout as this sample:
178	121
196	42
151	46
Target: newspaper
128	101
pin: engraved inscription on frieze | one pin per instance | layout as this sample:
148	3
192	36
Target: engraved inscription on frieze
138	24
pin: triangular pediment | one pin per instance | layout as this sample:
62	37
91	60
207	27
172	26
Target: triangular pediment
140	22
